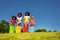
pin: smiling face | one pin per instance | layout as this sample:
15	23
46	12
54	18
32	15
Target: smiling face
27	14
13	17
19	14
32	17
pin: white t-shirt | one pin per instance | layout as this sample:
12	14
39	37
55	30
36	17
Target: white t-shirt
19	19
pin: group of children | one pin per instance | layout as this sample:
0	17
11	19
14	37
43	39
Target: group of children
28	23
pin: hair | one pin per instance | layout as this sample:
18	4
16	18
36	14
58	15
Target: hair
20	14
14	17
27	13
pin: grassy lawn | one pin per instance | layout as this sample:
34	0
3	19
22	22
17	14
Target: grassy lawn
31	36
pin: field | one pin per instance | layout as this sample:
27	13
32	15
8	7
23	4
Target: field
31	36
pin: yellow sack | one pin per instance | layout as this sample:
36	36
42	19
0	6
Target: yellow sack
18	29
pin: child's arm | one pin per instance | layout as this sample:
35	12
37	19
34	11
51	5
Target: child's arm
29	19
24	18
34	22
30	22
21	19
15	22
11	22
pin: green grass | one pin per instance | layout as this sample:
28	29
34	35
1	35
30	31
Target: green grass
31	36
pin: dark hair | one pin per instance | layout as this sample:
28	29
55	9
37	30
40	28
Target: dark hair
20	14
27	13
14	17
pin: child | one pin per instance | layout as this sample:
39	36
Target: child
32	23
19	23
13	21
26	21
19	19
27	18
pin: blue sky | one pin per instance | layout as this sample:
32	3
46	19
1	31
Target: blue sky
46	12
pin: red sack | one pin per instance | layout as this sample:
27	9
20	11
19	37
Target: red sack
25	28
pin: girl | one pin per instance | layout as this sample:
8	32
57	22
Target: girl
32	23
19	23
26	21
26	17
19	19
13	21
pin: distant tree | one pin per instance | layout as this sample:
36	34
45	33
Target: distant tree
5	25
41	30
38	30
54	31
49	30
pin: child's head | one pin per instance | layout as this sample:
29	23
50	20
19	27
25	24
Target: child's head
27	13
32	17
19	14
13	17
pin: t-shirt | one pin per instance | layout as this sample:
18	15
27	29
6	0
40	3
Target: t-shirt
19	19
26	18
32	22
13	22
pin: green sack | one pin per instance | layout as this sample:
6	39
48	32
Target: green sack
11	30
